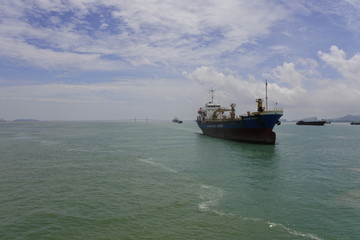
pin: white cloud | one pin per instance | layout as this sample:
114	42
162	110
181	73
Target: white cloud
288	74
337	59
163	32
50	59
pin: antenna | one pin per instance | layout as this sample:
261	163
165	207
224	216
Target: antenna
212	91
266	96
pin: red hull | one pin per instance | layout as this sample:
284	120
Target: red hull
256	135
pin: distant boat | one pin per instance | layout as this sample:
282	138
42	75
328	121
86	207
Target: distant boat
355	123
314	123
176	120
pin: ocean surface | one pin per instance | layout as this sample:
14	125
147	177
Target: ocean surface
162	180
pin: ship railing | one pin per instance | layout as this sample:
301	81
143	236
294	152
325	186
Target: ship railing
275	110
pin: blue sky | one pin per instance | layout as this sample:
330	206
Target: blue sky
120	59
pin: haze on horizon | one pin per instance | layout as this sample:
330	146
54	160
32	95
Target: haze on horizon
107	60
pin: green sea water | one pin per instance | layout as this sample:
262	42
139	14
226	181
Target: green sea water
144	180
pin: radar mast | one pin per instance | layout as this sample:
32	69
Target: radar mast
212	93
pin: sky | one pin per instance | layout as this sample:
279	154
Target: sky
156	59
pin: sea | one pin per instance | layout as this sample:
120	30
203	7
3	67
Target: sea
164	180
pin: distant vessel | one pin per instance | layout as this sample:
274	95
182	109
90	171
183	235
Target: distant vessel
315	123
355	123
176	120
256	127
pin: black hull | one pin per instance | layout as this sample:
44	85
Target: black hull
313	123
253	135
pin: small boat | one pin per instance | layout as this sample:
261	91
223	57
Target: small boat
176	120
314	123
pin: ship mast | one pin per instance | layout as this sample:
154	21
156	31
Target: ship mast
212	95
266	96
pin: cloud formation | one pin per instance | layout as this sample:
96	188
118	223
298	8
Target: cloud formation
137	57
103	34
348	68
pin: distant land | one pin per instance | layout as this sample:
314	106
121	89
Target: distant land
26	120
346	118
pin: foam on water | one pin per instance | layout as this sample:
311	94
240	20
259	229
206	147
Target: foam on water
209	195
49	142
156	164
293	232
340	137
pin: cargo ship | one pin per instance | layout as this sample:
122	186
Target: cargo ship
253	127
